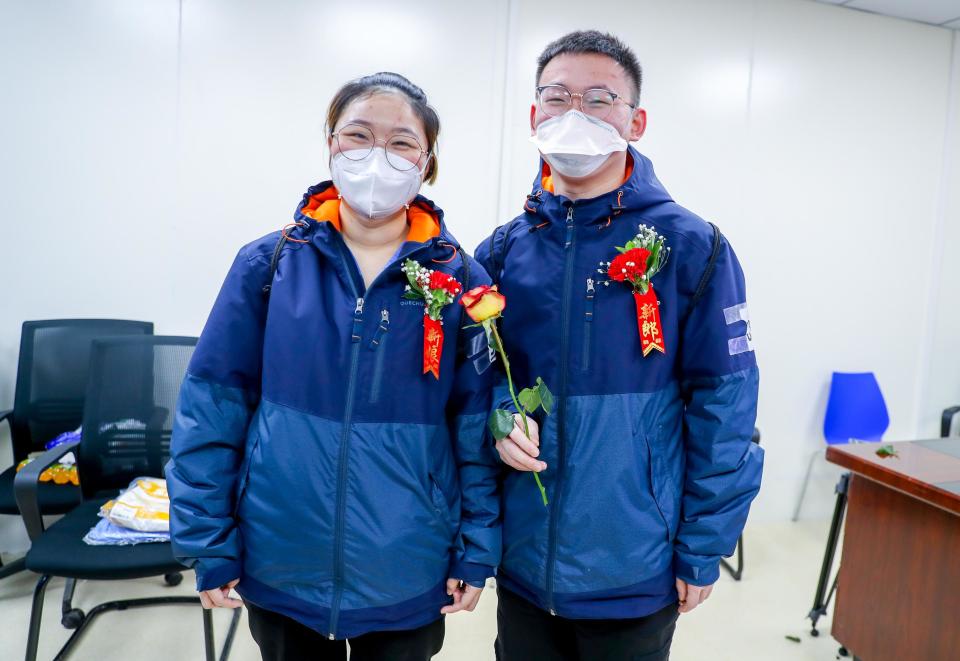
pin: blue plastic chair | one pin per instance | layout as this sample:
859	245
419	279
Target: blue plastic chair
856	412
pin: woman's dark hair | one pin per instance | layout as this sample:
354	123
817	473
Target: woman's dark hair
600	43
387	81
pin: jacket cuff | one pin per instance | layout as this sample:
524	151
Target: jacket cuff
472	573
698	575
215	572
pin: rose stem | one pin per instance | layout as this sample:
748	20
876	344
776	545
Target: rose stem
513	395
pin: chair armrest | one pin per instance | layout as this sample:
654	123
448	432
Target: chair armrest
8	416
945	421
27	481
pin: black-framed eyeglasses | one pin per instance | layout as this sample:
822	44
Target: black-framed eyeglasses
555	100
356	142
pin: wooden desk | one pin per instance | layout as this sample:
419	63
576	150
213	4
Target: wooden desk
898	592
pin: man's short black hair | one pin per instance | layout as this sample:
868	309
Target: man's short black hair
594	41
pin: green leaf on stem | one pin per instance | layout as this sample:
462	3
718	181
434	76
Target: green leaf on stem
412	296
546	397
500	423
529	399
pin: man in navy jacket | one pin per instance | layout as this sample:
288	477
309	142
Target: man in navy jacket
646	458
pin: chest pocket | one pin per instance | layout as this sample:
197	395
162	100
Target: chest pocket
378	345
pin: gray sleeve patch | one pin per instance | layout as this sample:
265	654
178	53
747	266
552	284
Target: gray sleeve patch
735	314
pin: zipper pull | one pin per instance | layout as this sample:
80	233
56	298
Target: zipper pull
381	329
357	319
590	293
570	215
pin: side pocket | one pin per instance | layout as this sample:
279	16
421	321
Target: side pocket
378	344
441	508
588	324
657	478
245	473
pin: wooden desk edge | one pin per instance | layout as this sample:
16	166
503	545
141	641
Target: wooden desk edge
929	493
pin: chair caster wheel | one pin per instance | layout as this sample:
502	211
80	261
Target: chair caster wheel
176	578
814	633
73	618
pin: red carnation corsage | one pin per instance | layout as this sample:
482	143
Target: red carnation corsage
436	289
639	260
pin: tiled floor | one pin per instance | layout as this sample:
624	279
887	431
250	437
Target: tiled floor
741	621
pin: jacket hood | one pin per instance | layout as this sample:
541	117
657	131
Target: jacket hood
321	204
640	189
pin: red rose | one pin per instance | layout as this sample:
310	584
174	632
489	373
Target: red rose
445	282
629	265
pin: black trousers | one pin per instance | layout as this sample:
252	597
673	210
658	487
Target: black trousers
284	639
527	633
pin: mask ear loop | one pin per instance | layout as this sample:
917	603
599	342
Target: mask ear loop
422	172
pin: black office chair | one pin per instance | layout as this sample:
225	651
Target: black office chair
51	381
737	573
950	421
127	422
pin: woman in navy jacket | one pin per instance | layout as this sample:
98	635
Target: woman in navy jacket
327	460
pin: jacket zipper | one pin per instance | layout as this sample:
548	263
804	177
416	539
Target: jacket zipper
588	324
345	438
378	344
342	470
568	247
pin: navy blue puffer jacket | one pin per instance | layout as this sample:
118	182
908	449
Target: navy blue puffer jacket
650	466
311	456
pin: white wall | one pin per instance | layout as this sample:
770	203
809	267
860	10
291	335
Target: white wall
142	143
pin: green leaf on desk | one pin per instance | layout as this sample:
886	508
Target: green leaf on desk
885	451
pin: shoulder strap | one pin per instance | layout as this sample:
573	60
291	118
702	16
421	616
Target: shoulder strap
273	262
466	271
497	258
705	278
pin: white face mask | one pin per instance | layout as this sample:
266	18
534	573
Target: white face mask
575	144
372	186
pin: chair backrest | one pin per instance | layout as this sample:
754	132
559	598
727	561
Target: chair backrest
129	409
52	376
855	409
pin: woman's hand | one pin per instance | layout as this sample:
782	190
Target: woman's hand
220	597
518	451
465	598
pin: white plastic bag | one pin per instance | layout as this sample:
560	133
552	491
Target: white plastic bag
143	506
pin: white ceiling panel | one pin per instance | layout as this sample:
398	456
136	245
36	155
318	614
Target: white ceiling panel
935	12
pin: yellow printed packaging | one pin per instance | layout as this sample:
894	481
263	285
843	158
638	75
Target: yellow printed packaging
145	506
57	473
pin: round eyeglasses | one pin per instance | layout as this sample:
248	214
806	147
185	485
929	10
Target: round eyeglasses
356	142
557	99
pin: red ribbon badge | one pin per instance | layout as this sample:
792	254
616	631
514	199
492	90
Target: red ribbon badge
648	321
432	345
